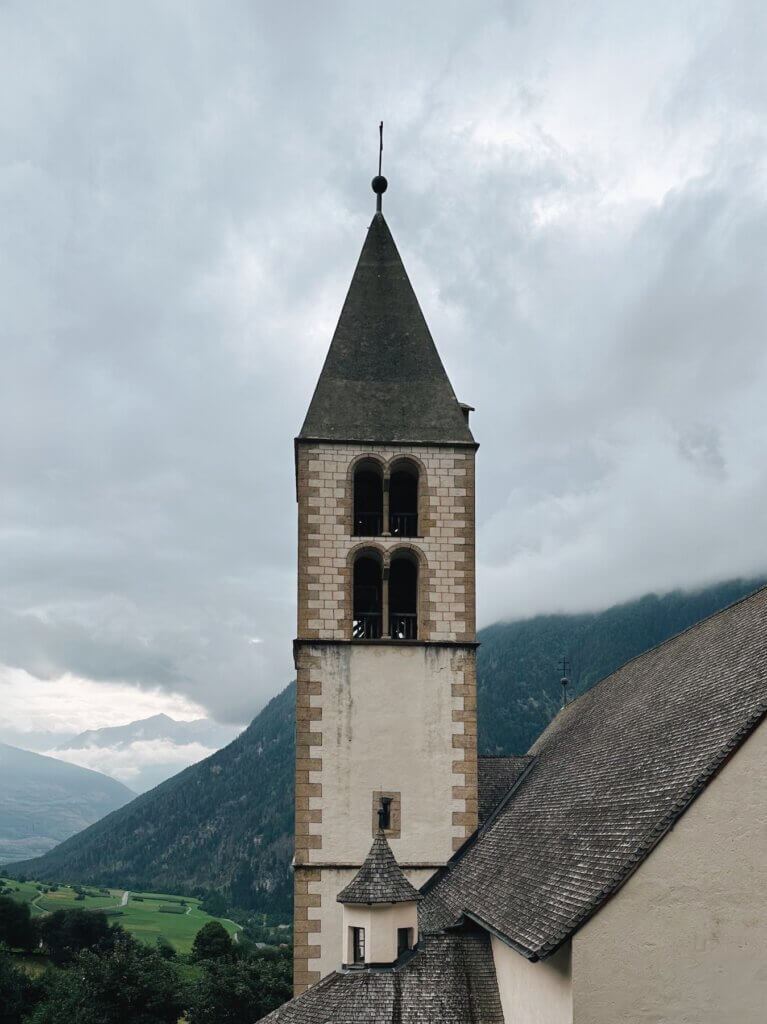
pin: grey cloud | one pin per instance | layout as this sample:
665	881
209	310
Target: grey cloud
580	203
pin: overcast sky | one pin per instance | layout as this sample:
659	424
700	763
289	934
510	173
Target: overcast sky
579	192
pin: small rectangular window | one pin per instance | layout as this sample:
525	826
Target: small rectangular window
384	813
404	940
358	945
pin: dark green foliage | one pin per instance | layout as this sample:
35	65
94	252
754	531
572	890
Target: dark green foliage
242	990
225	825
211	942
165	949
129	983
65	933
16	928
18	993
214	904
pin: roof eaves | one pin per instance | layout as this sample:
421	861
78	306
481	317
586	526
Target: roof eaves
309	439
528	954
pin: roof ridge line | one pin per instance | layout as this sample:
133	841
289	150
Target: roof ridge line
649	650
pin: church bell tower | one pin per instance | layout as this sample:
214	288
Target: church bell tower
386	732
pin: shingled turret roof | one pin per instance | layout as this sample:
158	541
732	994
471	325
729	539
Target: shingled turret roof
380	879
383	379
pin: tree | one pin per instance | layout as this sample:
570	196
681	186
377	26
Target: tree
129	983
66	932
211	942
18	993
16	929
239	991
164	948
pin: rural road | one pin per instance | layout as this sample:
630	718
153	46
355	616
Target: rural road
124	901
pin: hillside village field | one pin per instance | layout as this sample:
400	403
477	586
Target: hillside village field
146	916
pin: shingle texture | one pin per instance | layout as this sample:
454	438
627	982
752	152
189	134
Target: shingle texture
380	879
495	777
611	775
383	379
450	981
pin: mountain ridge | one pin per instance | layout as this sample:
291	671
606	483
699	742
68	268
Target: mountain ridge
44	800
226	824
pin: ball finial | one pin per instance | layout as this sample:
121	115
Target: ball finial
379	184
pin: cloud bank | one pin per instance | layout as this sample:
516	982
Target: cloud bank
580	197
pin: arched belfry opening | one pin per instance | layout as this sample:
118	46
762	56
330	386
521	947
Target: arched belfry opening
403	499
403	597
367	616
368	499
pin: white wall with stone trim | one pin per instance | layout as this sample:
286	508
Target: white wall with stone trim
448	474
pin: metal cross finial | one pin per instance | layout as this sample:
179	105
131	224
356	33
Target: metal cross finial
379	182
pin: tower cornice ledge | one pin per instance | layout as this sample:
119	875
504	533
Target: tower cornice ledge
394	441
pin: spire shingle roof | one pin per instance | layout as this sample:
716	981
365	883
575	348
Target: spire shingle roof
383	379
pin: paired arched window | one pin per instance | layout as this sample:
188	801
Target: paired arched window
385	504
385	606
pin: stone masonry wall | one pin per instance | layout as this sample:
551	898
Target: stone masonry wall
445	547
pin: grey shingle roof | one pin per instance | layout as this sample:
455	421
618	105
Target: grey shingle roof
611	775
383	379
450	981
380	879
495	777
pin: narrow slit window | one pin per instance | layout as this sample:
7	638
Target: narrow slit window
404	940
358	945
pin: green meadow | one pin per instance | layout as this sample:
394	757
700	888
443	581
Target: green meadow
145	915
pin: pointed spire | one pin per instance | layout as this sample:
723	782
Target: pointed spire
383	379
380	879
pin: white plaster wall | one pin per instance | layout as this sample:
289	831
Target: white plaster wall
685	940
330	911
387	724
381	922
534	993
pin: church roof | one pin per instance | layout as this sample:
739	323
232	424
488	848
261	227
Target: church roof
383	379
495	777
611	775
450	979
380	879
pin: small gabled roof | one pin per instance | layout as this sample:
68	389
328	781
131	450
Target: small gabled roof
380	879
609	778
383	379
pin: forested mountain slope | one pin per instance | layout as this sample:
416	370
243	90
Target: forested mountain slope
227	822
